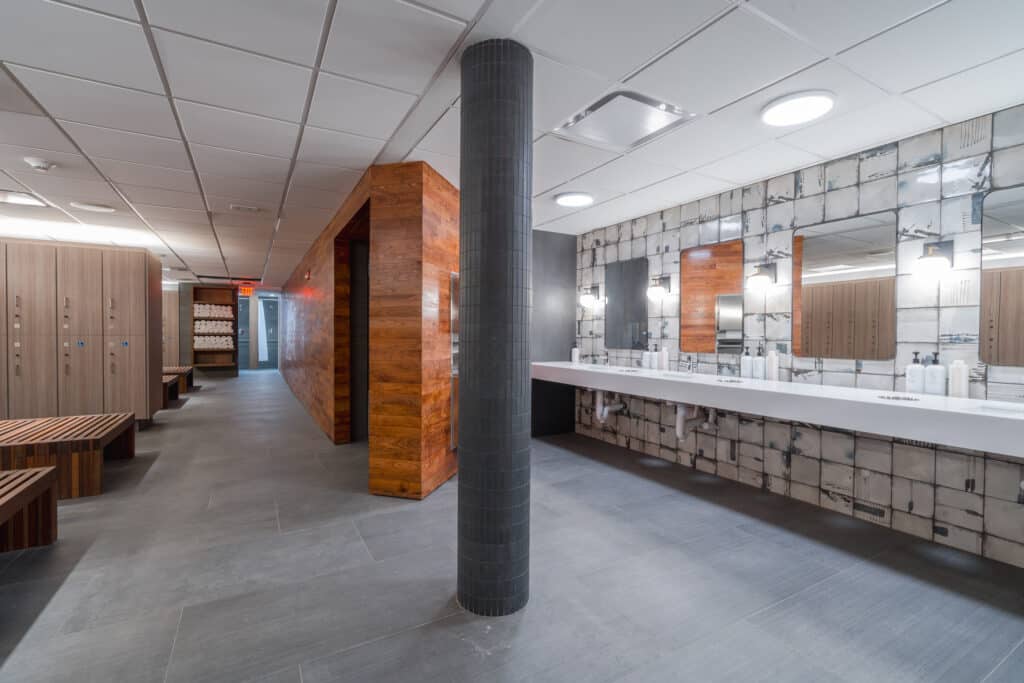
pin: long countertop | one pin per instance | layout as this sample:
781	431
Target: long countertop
992	426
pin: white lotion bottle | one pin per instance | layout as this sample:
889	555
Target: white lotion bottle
915	376
759	370
959	379
746	363
574	355
935	377
663	359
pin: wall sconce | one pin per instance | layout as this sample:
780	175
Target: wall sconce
763	277
660	287
590	296
936	260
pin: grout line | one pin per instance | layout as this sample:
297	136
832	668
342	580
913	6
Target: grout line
170	656
361	538
1003	660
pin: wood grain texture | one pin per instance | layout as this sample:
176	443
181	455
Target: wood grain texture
798	281
410	215
170	331
28	508
1002	316
705	273
851	319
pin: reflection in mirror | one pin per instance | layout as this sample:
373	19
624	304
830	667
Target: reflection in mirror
1002	278
844	289
711	298
625	309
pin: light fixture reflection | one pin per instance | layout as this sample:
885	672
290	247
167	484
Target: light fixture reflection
659	289
937	259
763	277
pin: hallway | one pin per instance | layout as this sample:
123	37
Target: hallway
250	549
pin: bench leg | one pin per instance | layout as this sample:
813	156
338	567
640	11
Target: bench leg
182	384
35	525
123	447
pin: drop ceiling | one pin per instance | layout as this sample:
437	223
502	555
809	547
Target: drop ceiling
179	113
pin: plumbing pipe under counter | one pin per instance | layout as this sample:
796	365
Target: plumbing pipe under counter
992	426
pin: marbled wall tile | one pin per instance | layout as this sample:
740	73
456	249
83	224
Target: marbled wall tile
842	173
671	217
998	391
709	232
639	227
655	223
967	176
839	379
908	251
755	222
731	202
754	196
917	325
689	213
878	162
670	243
959	326
1008	167
967	138
809	210
878	367
967	250
730	227
780	189
962	214
920	150
960	288
708	209
779	245
653	245
916	187
875	382
806	440
689	236
1008	127
777	326
878	195
778	299
780	216
913	291
920	221
841	203
754	249
753	301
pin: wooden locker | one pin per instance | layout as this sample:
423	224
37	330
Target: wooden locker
124	293
865	327
885	345
843	320
3	329
3	380
170	328
989	334
31	290
80	372
1010	334
32	376
124	387
820	345
79	291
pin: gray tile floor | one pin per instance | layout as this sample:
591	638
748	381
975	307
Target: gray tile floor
241	545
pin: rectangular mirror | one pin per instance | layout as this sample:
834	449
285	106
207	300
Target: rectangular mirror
1002	278
844	289
711	298
625	308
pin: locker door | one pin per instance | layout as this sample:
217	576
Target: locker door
80	388
117	376
139	385
3	329
32	376
124	293
865	329
80	291
3	380
31	290
842	320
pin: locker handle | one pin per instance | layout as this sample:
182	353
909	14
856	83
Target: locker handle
17	370
67	368
66	301
17	301
111	303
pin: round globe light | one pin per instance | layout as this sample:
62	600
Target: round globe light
797	108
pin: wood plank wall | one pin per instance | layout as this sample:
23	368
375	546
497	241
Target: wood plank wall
798	282
413	232
705	273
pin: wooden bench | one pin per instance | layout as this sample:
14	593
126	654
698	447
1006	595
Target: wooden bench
75	445
186	380
171	389
28	508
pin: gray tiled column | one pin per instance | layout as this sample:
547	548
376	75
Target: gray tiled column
494	332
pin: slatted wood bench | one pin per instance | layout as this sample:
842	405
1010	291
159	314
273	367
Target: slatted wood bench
28	508
171	389
74	445
186	380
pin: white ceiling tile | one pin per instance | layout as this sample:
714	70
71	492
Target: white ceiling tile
683	188
251	232
124	146
447	166
12	158
555	161
948	39
625	174
618	38
121	219
227	162
709	71
80	43
980	90
888	120
230	78
33	213
121	8
354	107
219	127
287	30
171	215
74	99
160	197
560	91
322	177
86	190
148	176
13	98
32	131
443	138
315	198
765	160
225	217
834	25
545	209
463	9
306	216
389	42
330	147
243	189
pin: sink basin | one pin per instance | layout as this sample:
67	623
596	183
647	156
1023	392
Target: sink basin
729	380
897	397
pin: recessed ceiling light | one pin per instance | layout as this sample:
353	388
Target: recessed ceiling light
21	198
574	199
798	108
95	208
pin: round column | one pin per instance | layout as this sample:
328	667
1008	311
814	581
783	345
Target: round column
494	327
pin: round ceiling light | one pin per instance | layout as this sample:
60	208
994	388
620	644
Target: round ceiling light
574	200
798	108
95	208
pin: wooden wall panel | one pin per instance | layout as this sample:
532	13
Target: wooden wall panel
852	319
798	281
170	331
705	273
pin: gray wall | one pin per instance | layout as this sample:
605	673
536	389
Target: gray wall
553	326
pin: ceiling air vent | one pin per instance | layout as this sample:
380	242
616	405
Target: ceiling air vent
622	120
242	208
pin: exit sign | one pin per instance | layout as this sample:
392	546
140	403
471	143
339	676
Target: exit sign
245	290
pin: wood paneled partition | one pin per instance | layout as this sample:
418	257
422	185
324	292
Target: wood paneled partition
705	273
409	214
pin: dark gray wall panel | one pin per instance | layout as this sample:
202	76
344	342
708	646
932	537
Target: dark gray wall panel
553	327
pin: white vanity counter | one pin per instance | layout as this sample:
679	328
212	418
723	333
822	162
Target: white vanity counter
992	426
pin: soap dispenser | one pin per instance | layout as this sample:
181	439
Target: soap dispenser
574	355
915	375
746	363
935	377
759	363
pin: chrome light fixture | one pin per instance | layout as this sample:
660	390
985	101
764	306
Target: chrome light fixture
797	108
763	277
936	260
660	287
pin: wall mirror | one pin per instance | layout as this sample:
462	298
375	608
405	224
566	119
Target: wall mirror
844	289
625	308
1002	278
711	298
